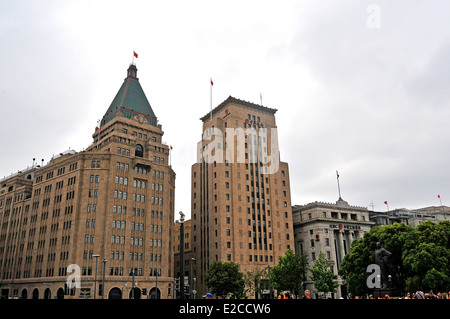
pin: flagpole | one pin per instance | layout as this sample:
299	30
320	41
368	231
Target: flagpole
260	96
210	97
339	187
440	200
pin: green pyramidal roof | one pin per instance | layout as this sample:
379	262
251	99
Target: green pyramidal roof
130	100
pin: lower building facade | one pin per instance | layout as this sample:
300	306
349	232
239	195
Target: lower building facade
61	221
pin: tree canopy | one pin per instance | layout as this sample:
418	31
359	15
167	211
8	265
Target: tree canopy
225	280
289	273
322	275
420	257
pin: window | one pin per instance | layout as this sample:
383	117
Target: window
139	151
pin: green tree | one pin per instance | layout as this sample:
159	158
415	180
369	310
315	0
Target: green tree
362	254
256	280
289	273
225	280
420	257
426	257
322	275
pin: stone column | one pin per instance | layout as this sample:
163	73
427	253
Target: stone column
341	246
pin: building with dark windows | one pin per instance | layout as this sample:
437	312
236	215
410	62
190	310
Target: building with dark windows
412	217
241	201
109	207
328	228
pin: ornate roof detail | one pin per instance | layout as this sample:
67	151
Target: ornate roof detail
130	100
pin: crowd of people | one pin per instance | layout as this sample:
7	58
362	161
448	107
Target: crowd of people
421	295
415	295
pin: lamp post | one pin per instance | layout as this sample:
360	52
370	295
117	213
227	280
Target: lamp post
181	222
379	284
95	279
194	291
191	287
156	297
103	284
390	285
132	283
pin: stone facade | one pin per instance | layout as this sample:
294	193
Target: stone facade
330	229
241	202
115	200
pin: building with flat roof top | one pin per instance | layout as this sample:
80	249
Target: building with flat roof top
241	201
412	217
328	228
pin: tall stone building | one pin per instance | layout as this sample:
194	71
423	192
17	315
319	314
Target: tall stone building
109	207
188	275
330	229
241	202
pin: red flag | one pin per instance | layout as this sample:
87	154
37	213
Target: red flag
385	202
212	83
171	147
439	196
135	54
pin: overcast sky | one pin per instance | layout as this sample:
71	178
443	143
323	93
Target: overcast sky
361	87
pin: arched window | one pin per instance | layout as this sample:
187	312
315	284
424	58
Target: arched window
139	151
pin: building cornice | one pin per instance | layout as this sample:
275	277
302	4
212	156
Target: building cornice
333	206
334	221
234	100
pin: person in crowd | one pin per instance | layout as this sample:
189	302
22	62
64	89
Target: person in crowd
307	295
420	295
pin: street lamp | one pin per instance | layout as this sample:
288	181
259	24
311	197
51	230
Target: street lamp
95	280
132	283
379	284
103	285
156	290
194	291
181	222
390	285
191	287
